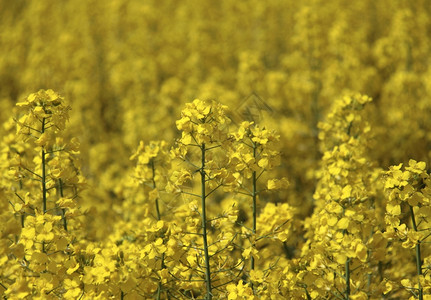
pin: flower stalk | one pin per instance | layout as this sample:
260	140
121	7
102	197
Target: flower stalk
43	179
204	225
63	211
254	197
347	292
418	254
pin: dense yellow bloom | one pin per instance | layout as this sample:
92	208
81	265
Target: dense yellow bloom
239	291
310	190
203	122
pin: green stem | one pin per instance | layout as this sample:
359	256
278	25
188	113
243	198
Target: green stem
43	172
307	294
347	279
369	275
63	211
163	266
418	254
44	190
154	186
204	226
347	270
23	214
254	196
159	289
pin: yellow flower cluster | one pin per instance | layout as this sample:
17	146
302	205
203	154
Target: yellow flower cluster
340	228
407	210
43	195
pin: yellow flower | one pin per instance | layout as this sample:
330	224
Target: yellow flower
277	184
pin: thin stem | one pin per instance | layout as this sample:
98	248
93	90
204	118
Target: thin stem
369	276
31	128
63	211
159	289
30	171
191	194
213	190
263	171
163	266
44	192
347	279
254	196
418	254
204	226
154	186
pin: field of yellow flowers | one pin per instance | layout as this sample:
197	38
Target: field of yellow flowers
225	149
